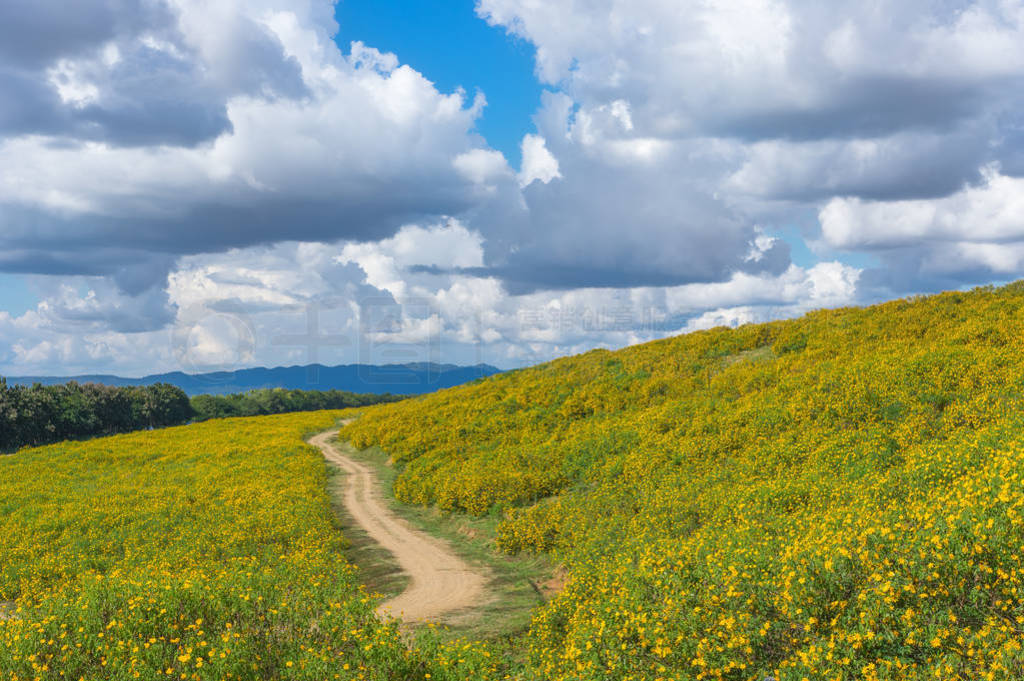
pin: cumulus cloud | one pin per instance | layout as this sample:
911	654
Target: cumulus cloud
406	298
481	165
872	118
175	164
194	127
976	233
619	215
131	73
678	126
99	306
907	165
772	68
992	211
538	162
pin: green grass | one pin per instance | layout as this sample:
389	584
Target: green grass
760	354
516	586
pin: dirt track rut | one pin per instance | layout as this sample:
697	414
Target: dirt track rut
441	583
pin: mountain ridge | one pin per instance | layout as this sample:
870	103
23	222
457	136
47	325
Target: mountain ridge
413	378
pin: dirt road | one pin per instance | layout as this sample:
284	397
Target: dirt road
441	583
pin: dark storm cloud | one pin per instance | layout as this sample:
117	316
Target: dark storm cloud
133	270
904	166
139	252
28	104
1010	153
866	107
528	273
887	140
35	33
529	277
905	272
151	98
532	276
933	137
152	88
43	262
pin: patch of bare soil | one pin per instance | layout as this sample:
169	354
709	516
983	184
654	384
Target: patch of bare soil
550	588
441	584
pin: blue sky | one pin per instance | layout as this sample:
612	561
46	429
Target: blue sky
454	48
183	183
15	295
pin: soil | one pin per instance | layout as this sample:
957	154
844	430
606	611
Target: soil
441	584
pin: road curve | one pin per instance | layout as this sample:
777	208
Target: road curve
440	583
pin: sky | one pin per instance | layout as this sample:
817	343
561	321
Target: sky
200	185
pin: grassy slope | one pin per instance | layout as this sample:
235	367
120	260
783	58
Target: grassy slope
832	497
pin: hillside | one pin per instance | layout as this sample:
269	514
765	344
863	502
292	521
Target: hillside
197	552
834	497
398	379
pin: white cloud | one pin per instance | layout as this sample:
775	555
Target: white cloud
218	340
71	86
992	211
312	144
975	234
385	263
481	166
297	176
826	284
871	118
255	307
733	317
538	162
736	66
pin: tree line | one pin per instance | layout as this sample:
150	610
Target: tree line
280	401
41	414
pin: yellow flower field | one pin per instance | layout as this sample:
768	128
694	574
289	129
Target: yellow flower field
834	497
198	552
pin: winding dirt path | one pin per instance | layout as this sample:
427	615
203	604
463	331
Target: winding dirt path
441	583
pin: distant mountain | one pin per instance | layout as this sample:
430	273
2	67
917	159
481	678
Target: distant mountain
406	379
